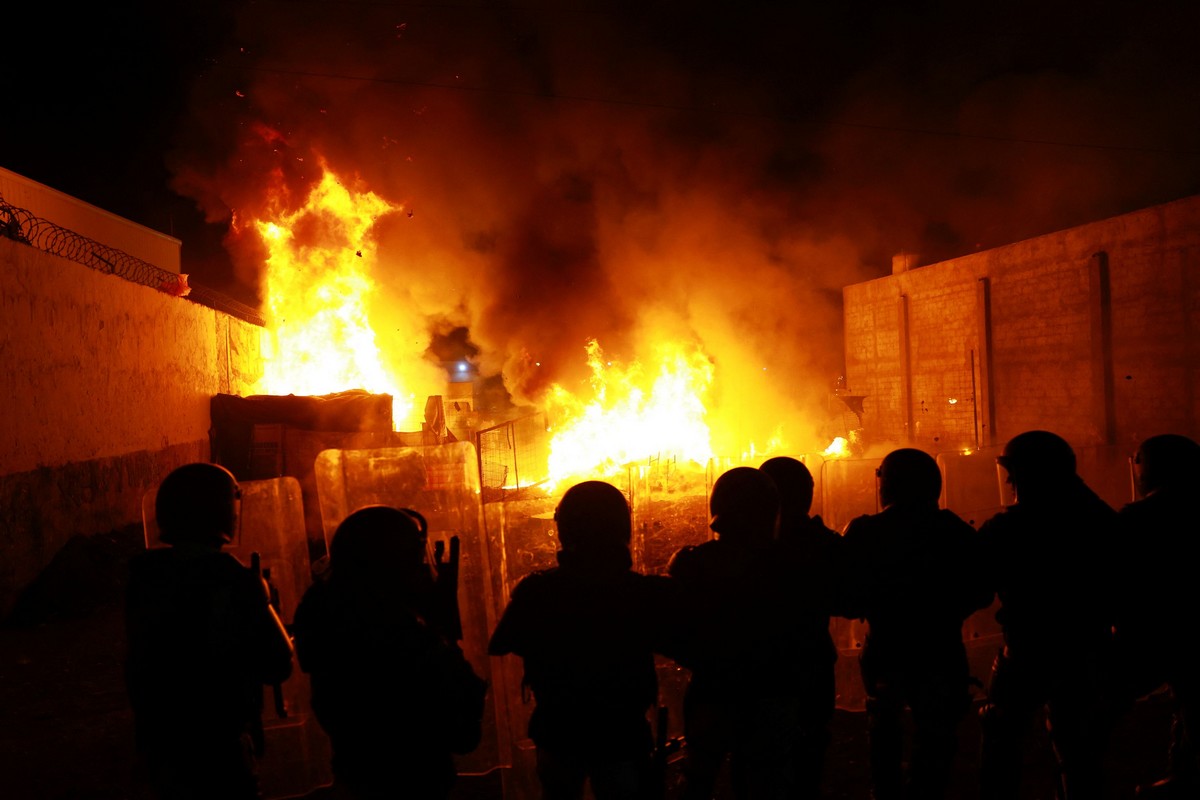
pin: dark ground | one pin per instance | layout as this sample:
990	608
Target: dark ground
65	728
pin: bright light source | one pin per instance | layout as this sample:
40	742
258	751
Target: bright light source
463	366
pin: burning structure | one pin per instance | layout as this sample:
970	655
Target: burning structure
645	264
958	331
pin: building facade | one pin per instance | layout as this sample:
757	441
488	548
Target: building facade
107	381
1091	332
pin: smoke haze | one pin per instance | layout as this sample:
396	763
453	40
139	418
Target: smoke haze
713	174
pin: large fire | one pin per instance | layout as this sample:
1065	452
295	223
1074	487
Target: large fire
322	340
321	337
636	413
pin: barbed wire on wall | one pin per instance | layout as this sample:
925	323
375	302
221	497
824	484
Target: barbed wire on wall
21	225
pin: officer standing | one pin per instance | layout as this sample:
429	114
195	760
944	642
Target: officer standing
916	581
203	641
739	704
1049	557
810	570
1157	535
390	685
587	632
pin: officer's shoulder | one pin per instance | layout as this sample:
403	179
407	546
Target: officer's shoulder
652	580
1002	519
690	551
227	560
149	558
648	584
955	520
537	580
821	529
687	556
861	523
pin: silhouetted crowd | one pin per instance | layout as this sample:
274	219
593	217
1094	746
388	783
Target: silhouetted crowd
1090	601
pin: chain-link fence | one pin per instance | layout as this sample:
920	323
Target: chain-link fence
513	456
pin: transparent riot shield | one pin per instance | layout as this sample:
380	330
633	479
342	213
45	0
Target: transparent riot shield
969	484
669	501
973	487
442	483
848	489
271	524
1108	470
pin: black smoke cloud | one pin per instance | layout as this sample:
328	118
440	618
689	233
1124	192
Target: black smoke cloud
631	175
710	173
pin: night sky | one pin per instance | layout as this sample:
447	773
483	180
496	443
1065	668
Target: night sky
610	169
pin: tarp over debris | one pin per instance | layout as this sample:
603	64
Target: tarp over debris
235	418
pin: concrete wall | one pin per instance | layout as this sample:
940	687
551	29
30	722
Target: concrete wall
107	387
87	220
1091	332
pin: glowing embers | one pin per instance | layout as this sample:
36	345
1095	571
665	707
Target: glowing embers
636	412
318	285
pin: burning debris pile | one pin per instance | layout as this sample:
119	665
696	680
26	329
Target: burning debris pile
334	324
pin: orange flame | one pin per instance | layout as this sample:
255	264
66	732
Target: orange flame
321	335
321	340
634	415
838	448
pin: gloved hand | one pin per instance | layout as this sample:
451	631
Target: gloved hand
446	588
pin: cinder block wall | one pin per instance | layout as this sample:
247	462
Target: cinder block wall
1092	332
107	387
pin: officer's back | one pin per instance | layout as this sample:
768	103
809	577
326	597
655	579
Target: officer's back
730	625
202	642
916	574
1050	555
587	632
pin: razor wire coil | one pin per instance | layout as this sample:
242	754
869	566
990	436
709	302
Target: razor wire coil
21	225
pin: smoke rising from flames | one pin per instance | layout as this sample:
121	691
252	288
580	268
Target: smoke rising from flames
634	179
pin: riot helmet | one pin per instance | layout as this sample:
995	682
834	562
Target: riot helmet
593	515
1036	460
795	485
909	477
198	504
1166	460
744	505
379	544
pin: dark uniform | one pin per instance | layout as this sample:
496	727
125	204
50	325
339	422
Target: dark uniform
810	571
1049	559
587	632
202	643
740	703
916	580
1158	532
393	692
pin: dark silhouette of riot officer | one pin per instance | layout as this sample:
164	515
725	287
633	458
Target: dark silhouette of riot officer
915	581
1049	557
390	685
587	632
1159	568
739	705
810	565
203	641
